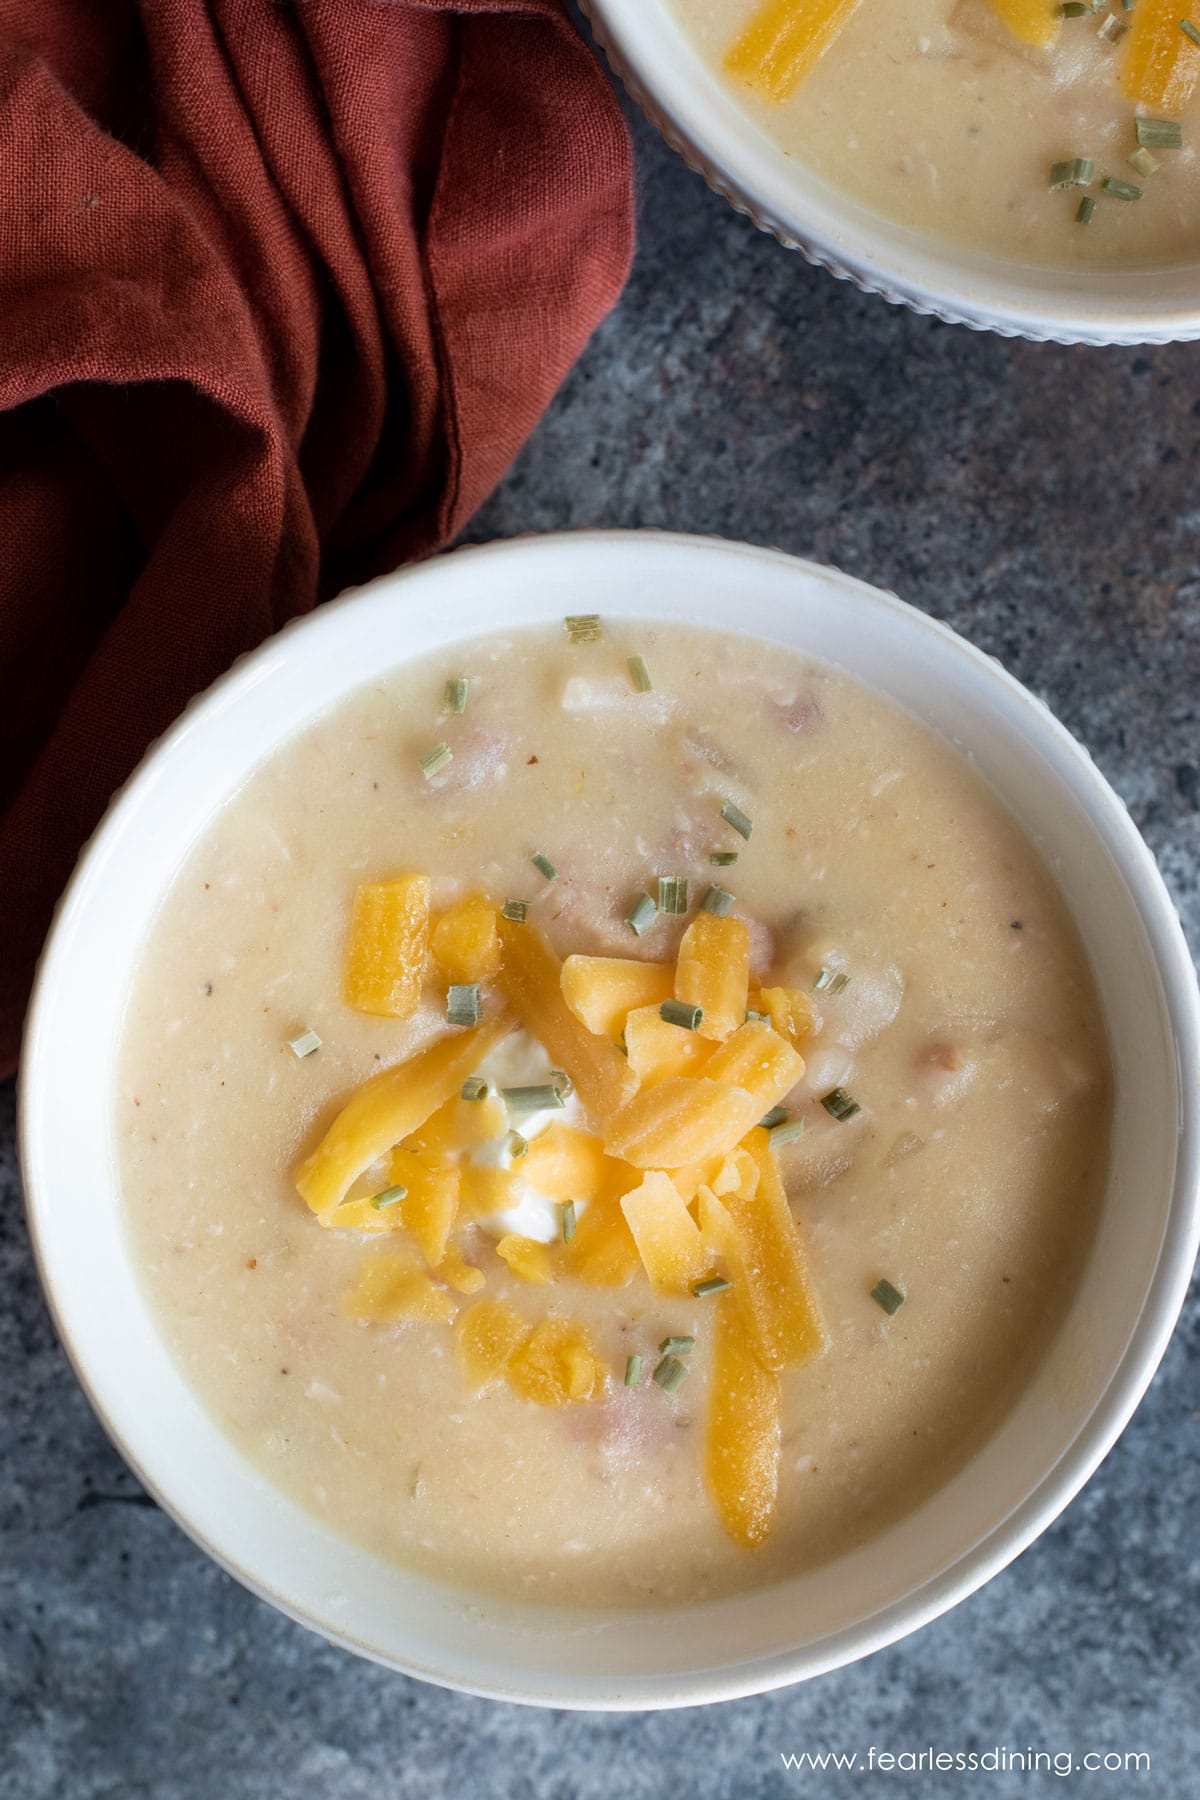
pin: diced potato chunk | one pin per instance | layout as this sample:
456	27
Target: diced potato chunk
531	979
1161	65
667	1237
389	943
741	1458
389	1107
391	1287
1033	21
458	1273
757	1060
556	1365
602	990
465	942
658	1049
488	1334
526	1258
713	972
769	1267
602	1252
784	42
790	1010
681	1121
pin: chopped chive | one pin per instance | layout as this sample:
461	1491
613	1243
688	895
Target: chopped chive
1159	134
678	1012
1113	29
517	1145
633	1370
1145	162
1127	5
304	1042
390	1196
566	1220
776	1116
1072	9
583	628
733	815
715	1284
676	1346
670	1374
514	911
544	866
1189	30
830	981
839	1104
563	1085
1076	171
641	914
454	700
718	901
723	859
474	1088
1120	190
532	1098
887	1296
672	894
1085	209
639	675
786	1132
758	1017
435	760
462	1003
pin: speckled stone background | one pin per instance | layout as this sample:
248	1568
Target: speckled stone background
1047	503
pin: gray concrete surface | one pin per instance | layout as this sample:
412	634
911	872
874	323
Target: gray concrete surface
1045	502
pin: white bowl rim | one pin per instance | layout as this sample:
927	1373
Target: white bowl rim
723	144
1079	1458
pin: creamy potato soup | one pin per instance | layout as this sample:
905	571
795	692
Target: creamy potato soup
999	124
611	1114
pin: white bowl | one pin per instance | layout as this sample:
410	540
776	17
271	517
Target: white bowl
1112	1336
700	118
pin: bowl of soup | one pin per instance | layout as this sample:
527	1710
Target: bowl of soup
609	1121
1013	165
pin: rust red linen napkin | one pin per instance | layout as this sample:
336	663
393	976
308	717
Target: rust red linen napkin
283	288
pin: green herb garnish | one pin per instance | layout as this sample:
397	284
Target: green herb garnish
518	1146
1085	209
733	815
474	1088
786	1132
462	1003
583	628
641	914
304	1042
1120	190
391	1196
1159	134
544	866
839	1104
776	1116
714	1284
1076	171
830	981
672	894
723	859
514	911
1145	162
1072	9
887	1296
633	1370
639	675
1189	30
678	1012
718	901
532	1098
670	1374
435	760
676	1346
1113	29
455	698
563	1085
566	1220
